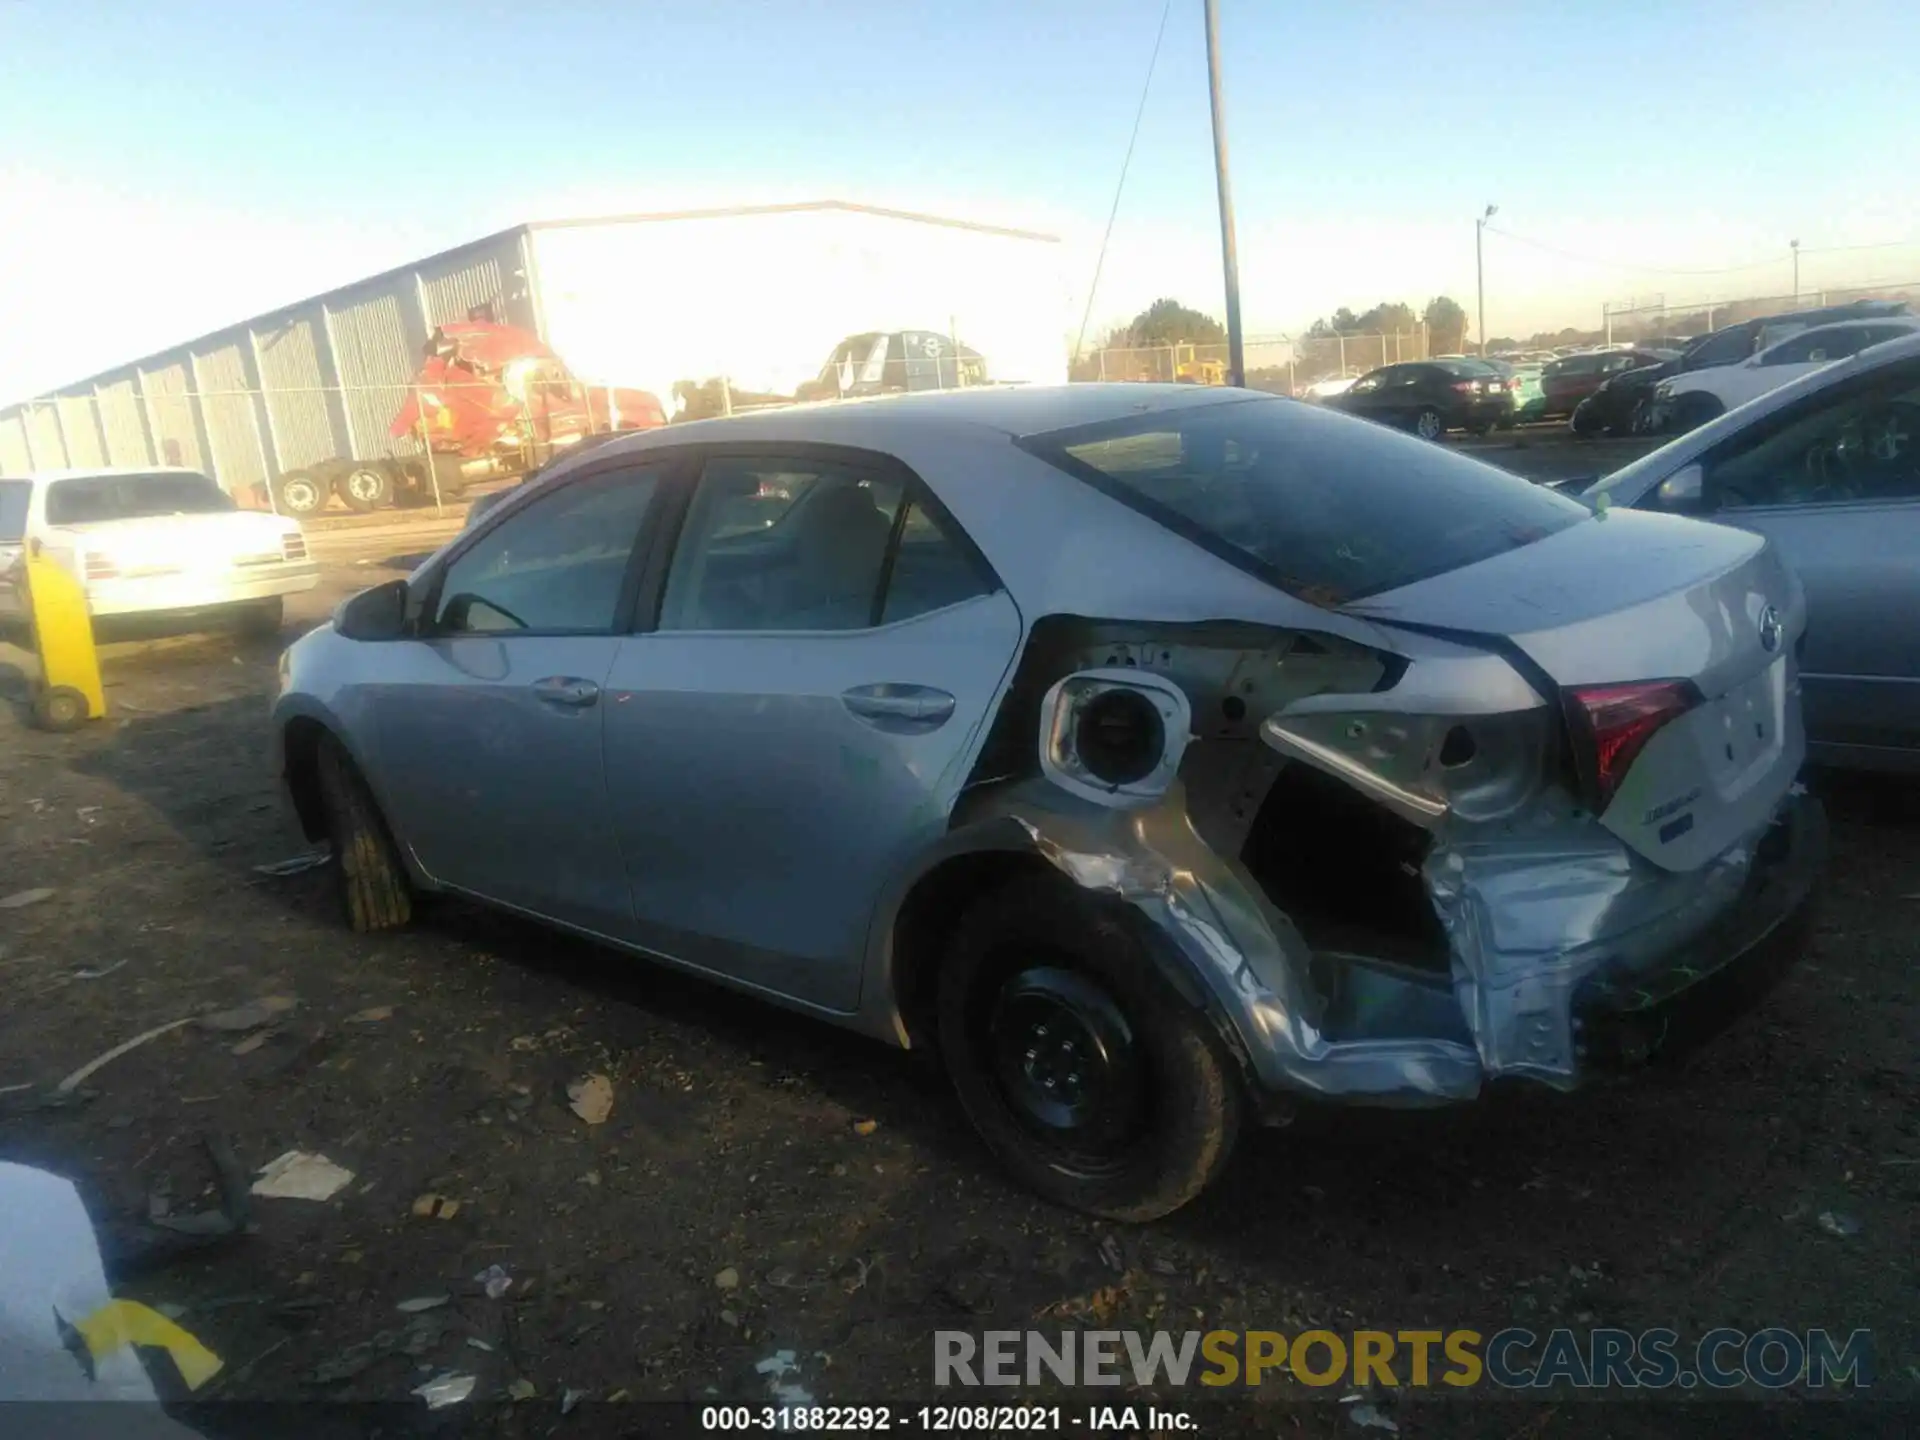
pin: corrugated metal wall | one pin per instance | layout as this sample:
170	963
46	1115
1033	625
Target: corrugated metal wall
80	427
43	431
170	414
298	408
121	421
377	338
294	387
227	396
15	458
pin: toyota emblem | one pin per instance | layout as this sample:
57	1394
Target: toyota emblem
1769	629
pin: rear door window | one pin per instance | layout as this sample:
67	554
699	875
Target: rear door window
1327	510
92	499
15	495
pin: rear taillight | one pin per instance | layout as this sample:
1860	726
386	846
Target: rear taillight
293	547
1465	387
1611	725
99	567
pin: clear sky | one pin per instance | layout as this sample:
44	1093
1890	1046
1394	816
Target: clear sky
166	168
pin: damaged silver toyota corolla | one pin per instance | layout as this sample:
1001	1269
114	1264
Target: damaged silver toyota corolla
1156	754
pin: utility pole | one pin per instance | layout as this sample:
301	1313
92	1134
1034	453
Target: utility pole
1795	245
1480	271
1236	347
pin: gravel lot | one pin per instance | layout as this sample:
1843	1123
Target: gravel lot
738	1202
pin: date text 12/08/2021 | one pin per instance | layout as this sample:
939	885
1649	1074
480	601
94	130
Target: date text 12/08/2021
946	1419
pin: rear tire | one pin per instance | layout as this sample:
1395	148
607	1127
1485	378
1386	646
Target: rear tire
374	891
299	493
365	487
1428	424
1047	993
262	619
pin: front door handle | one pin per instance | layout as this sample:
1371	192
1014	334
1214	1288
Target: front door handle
566	690
900	707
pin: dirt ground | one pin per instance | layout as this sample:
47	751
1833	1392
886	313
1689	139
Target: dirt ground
768	1184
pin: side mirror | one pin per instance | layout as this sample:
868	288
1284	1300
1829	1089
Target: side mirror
1682	490
376	614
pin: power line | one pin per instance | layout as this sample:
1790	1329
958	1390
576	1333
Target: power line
1669	270
1114	214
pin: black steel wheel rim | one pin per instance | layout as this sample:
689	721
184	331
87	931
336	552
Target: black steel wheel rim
1063	1057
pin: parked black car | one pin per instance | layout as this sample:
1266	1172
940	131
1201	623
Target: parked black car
1623	405
1431	397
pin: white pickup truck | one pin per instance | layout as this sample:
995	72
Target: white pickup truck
153	542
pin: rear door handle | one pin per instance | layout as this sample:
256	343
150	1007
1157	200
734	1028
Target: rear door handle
566	690
900	707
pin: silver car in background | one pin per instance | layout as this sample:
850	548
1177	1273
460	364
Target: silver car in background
1155	754
1827	468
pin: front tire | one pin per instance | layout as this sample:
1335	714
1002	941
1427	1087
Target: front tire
1429	425
374	890
1086	1074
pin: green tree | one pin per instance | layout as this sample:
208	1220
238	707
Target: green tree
1446	325
1389	317
1168	322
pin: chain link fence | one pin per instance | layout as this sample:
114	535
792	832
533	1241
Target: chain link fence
1646	320
1281	365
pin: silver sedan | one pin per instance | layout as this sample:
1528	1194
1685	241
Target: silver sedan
1157	755
1827	468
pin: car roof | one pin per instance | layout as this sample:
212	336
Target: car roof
1633	478
1010	410
102	472
1905	322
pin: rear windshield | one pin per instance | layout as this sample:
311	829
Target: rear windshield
90	498
14	495
1327	507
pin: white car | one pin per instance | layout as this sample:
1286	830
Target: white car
1328	388
156	541
1694	397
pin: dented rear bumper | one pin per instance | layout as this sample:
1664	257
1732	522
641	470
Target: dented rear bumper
1568	953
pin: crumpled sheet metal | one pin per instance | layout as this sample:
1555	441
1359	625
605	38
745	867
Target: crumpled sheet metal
1531	908
1531	912
1250	955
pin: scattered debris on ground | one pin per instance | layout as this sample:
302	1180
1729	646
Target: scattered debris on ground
299	1176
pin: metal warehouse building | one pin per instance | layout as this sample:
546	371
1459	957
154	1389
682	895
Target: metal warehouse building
759	295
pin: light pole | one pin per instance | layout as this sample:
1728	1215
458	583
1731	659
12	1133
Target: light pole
1794	245
1480	270
1236	348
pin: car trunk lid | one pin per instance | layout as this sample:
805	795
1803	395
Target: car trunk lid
169	544
1669	646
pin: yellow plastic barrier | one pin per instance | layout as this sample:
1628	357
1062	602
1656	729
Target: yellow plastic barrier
70	693
120	1323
